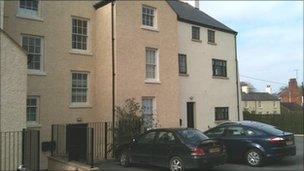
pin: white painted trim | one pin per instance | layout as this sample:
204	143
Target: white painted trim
155	25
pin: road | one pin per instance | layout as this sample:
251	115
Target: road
294	163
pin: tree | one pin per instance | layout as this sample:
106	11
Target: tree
251	87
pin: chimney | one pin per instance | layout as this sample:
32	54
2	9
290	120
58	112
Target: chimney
245	89
269	89
196	4
293	83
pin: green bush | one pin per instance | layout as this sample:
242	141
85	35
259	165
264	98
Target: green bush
287	121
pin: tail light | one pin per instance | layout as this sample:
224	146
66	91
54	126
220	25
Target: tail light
275	140
197	152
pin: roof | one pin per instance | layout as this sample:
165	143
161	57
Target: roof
292	106
258	96
188	14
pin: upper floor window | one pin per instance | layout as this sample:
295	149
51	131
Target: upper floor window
182	63
33	46
211	36
219	67
151	64
195	33
79	87
221	113
79	34
32	109
29	9
29	4
148	16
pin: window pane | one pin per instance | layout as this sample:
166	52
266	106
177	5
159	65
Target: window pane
79	34
221	113
182	61
195	33
32	45
150	63
79	87
148	16
31	110
219	68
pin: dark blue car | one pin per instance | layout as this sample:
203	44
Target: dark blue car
253	141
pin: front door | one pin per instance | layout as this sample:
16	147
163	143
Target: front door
77	141
190	114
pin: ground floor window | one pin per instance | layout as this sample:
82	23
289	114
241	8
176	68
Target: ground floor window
147	110
221	113
32	109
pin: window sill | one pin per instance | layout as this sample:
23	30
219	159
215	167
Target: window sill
152	82
80	52
220	77
29	17
77	106
149	28
184	75
36	72
212	43
196	40
33	124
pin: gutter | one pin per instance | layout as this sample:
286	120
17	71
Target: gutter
237	79
113	74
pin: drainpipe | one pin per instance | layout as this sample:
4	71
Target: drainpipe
237	78
113	74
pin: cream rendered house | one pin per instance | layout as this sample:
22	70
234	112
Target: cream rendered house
207	69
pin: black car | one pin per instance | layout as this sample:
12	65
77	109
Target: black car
176	148
253	141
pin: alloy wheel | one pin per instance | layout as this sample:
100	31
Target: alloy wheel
176	165
253	158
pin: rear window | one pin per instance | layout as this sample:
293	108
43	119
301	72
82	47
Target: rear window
270	129
192	136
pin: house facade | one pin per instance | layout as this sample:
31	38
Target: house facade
261	103
86	57
292	94
207	68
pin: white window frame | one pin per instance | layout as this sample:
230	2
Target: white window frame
156	79
37	110
155	25
88	51
42	58
153	107
29	14
80	104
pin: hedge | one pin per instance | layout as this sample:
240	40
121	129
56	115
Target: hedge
287	121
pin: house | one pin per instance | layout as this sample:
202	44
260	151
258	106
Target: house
207	69
292	107
86	57
13	84
260	102
292	94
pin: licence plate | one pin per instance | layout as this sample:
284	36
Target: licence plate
289	142
214	150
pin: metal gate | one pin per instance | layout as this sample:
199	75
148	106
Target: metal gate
30	149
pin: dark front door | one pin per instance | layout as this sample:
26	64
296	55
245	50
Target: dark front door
190	114
30	149
77	141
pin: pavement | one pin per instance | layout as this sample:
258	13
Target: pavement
294	163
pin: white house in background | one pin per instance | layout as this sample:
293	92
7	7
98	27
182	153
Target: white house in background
207	68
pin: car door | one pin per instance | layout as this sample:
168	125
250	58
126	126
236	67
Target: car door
164	144
142	148
235	140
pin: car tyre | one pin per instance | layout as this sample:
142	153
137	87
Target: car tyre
176	164
254	158
124	159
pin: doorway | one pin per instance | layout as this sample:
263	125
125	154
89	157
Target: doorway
190	114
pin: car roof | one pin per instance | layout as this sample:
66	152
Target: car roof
247	123
171	129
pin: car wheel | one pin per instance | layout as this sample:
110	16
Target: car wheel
125	159
176	164
254	157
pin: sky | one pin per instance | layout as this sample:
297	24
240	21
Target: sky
270	38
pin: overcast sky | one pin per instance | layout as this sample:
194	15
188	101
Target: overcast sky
270	38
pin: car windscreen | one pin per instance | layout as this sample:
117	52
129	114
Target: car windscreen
192	136
270	129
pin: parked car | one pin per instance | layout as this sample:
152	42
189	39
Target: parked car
176	148
253	141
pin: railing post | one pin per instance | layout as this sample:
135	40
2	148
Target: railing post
106	140
92	147
52	151
23	144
